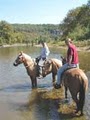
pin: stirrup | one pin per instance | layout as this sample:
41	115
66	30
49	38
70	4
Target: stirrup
39	77
57	86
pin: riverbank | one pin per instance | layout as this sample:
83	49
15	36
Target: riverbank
13	45
79	48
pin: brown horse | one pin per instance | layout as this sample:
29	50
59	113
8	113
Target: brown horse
51	66
31	67
77	82
73	79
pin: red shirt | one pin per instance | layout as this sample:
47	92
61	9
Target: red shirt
73	52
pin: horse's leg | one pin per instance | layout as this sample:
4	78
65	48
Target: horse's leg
32	82
77	104
53	78
66	92
81	98
35	82
74	97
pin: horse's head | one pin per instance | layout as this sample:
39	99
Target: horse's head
47	67
19	59
23	58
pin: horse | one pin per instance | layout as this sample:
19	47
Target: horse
76	81
51	66
32	67
73	79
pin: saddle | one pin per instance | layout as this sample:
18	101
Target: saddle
38	59
66	70
39	63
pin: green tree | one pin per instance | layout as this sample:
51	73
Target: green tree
6	32
77	23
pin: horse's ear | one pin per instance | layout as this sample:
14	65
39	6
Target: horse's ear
63	60
62	57
21	52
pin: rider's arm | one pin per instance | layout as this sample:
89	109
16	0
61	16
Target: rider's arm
47	52
69	56
69	59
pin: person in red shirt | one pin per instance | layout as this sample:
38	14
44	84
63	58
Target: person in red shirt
71	61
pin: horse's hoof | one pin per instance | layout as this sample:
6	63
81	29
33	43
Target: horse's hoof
76	111
54	84
34	87
40	77
75	115
81	114
66	100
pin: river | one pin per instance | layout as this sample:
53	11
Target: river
17	99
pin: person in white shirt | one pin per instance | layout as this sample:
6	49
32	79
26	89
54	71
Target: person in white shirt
43	55
44	52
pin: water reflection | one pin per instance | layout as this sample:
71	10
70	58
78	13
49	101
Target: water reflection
42	103
17	88
40	106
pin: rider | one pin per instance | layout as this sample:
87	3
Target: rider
43	55
72	61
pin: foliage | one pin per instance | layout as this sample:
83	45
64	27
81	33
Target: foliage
76	25
8	34
35	33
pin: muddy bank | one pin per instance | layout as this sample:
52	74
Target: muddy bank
42	104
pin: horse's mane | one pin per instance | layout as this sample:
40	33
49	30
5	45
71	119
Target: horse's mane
27	56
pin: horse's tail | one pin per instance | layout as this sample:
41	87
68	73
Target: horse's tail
82	96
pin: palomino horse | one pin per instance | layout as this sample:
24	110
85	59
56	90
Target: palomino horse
51	66
73	79
31	66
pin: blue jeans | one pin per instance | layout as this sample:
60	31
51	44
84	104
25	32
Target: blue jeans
62	69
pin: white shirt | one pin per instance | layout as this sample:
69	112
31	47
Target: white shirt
45	51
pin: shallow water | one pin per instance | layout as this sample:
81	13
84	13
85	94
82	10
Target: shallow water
19	102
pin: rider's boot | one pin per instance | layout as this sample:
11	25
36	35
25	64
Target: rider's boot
57	86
